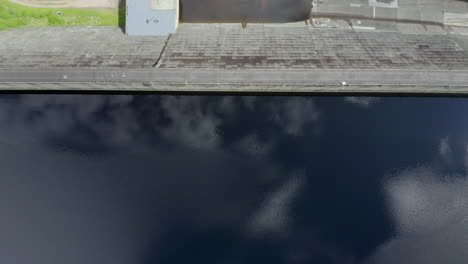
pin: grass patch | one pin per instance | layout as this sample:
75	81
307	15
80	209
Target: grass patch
17	16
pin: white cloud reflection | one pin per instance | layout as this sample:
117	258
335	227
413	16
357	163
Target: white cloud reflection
445	150
294	114
361	100
274	215
65	207
192	123
429	209
116	121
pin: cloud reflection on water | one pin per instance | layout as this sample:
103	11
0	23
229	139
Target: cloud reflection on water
161	179
429	208
95	179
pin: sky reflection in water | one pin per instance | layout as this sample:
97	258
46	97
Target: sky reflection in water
206	179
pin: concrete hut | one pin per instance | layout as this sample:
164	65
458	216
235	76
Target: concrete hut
152	17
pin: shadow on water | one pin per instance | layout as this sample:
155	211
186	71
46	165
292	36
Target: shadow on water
245	10
206	11
122	14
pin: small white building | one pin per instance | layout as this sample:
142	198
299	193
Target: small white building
152	17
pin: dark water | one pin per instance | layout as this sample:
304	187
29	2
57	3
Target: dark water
278	11
207	179
245	10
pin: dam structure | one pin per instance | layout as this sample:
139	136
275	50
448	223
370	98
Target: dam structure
161	17
166	48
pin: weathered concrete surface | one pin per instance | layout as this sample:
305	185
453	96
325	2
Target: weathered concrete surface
361	55
393	46
228	46
77	47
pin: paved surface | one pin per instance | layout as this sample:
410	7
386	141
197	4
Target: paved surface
329	77
420	10
300	47
77	47
351	57
228	46
135	87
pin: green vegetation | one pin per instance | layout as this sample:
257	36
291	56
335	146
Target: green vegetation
17	16
123	13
